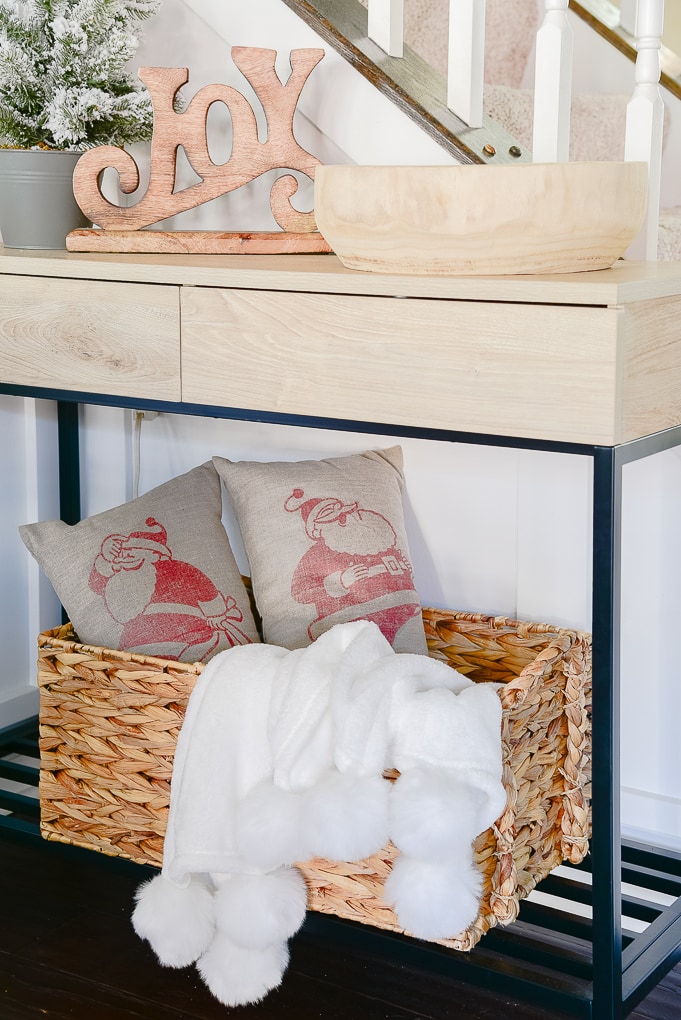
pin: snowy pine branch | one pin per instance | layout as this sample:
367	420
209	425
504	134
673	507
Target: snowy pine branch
64	82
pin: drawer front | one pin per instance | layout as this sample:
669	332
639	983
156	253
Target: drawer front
98	337
540	371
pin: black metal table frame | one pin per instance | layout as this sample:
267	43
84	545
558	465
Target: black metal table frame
621	977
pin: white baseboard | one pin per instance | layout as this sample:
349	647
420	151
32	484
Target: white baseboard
18	704
651	818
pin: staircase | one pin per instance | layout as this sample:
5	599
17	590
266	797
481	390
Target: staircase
597	120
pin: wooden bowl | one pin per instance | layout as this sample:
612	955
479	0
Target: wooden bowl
481	220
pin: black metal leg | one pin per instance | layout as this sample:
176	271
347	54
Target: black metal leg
69	466
69	462
606	847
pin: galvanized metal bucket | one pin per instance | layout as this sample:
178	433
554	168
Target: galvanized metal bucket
37	207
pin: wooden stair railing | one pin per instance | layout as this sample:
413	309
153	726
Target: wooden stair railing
604	18
415	87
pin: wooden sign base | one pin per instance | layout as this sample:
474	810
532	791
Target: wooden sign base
196	242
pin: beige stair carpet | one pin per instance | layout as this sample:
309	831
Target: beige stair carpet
669	239
510	28
596	125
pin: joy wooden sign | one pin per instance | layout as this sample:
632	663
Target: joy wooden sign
121	229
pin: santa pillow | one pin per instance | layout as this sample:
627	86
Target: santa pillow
155	575
326	544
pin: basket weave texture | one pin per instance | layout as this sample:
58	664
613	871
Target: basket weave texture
109	722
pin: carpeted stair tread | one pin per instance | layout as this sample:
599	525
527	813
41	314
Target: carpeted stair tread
597	122
669	239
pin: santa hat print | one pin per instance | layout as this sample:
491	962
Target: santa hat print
156	538
318	511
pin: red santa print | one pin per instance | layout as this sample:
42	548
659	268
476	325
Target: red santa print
354	569
163	604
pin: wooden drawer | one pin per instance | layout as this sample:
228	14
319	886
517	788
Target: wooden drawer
544	371
99	337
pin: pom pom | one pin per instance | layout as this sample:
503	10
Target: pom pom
178	922
255	911
434	813
346	817
268	828
434	901
238	976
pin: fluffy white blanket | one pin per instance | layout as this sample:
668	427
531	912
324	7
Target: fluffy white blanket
280	759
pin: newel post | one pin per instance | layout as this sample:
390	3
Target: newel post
645	119
553	85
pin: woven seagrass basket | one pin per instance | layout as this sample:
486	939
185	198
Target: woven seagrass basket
109	722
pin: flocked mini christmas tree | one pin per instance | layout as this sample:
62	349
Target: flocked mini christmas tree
64	82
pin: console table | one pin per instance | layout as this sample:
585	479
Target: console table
588	364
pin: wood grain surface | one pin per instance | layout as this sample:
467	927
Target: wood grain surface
197	242
473	220
587	357
71	951
84	335
651	367
625	283
532	371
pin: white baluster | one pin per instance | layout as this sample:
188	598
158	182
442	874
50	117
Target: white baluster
466	60
645	119
553	85
386	25
628	16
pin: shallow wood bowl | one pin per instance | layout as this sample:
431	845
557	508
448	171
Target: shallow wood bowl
481	220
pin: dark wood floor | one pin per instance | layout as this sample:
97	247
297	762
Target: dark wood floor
67	950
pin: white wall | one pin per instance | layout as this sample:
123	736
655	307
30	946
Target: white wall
13	596
651	620
28	483
495	530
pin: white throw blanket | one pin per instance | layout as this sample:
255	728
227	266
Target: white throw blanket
280	759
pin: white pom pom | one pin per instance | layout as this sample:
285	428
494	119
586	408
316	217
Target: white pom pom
238	976
178	922
434	814
346	817
434	901
255	911
268	829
